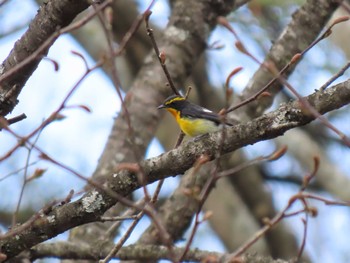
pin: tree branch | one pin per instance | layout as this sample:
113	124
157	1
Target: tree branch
70	250
307	23
183	41
94	203
51	16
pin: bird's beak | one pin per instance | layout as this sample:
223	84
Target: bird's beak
161	106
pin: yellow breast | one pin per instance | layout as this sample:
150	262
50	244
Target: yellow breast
195	127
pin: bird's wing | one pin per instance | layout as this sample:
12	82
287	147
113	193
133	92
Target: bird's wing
196	111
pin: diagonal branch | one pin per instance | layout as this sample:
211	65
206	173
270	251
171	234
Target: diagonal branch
307	23
70	250
51	16
94	203
293	40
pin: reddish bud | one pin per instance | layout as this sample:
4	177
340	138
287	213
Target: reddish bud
340	20
222	112
278	154
239	45
37	173
60	117
223	21
207	215
44	156
233	72
147	15
295	58
313	211
85	108
316	163
264	94
162	57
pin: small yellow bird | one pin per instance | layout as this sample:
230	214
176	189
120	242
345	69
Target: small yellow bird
193	120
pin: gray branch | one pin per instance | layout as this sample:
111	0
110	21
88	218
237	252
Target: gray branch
51	16
95	202
70	250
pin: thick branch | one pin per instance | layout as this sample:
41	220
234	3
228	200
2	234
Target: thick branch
51	16
70	250
183	41
95	203
307	23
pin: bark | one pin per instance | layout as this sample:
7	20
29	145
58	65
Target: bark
306	24
250	184
51	17
70	250
119	150
183	41
95	202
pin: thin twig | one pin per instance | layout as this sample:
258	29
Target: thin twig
315	113
123	239
116	218
302	196
305	222
25	175
160	56
52	39
277	75
117	84
336	76
18	170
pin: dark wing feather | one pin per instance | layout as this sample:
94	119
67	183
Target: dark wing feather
196	111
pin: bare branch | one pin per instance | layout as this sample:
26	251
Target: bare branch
70	250
93	204
51	16
294	39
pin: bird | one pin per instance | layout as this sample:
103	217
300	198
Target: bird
193	119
